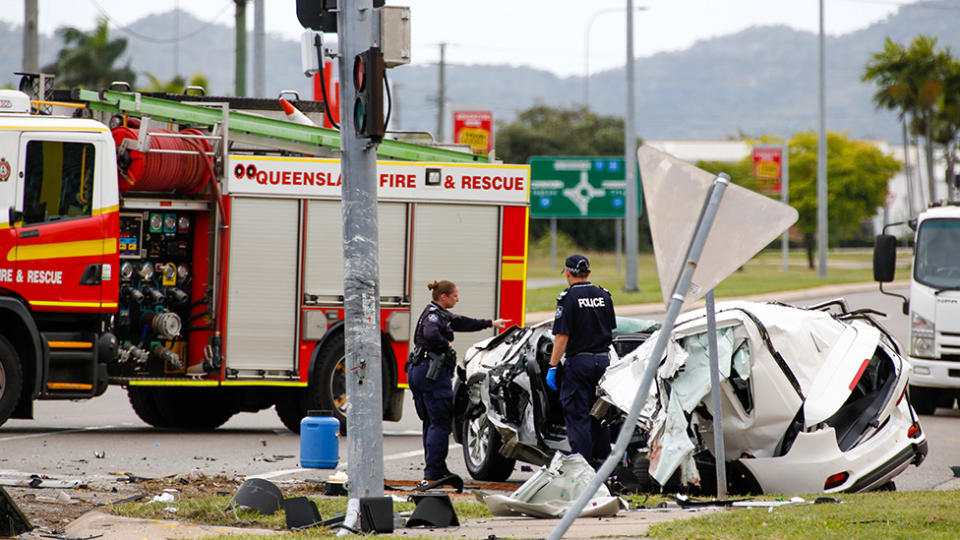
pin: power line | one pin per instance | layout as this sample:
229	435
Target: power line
150	39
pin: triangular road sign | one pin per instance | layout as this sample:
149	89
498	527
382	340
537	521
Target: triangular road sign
675	192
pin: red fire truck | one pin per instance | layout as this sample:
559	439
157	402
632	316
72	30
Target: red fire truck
193	254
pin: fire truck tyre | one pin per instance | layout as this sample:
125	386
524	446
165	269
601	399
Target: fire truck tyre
328	387
144	403
11	379
924	400
200	409
481	451
290	411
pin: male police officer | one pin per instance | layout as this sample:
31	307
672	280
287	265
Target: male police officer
583	329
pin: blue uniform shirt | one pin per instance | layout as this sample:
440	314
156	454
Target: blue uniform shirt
585	314
436	326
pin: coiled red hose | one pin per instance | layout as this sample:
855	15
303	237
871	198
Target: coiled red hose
185	173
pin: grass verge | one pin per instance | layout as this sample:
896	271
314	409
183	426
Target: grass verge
762	274
914	514
213	510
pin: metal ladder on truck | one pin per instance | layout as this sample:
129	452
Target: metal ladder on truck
252	129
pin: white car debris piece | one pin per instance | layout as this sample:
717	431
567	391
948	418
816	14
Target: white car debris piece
813	400
551	490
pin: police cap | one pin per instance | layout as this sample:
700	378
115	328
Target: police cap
577	263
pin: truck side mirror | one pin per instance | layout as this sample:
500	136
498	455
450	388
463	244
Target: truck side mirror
14	216
884	258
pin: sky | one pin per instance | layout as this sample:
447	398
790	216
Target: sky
566	37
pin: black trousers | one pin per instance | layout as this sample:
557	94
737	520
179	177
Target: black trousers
578	391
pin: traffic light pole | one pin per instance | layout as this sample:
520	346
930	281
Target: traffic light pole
361	271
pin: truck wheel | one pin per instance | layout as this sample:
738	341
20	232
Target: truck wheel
328	382
145	405
194	408
11	379
290	411
481	451
924	400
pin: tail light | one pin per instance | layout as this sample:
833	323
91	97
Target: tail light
835	480
914	430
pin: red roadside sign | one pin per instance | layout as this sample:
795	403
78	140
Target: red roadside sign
767	167
474	128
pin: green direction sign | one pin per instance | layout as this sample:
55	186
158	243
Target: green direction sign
579	187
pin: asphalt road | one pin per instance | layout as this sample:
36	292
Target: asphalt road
66	438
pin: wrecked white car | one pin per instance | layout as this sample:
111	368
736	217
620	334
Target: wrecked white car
814	400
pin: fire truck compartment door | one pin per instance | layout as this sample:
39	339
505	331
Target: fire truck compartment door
262	284
323	265
459	243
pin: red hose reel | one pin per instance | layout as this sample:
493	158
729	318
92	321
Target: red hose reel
185	173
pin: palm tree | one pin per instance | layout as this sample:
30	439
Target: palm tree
910	80
946	126
888	69
87	58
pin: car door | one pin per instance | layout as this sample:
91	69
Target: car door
60	237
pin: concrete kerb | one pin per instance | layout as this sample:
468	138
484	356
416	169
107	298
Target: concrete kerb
654	308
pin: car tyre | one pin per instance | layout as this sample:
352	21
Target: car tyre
481	451
11	379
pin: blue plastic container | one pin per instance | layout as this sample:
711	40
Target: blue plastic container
319	447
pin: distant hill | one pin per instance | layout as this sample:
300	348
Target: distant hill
759	80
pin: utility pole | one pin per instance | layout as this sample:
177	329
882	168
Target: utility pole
630	162
361	279
31	62
441	93
259	50
176	38
240	39
822	163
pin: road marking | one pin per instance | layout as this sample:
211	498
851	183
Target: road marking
343	465
49	433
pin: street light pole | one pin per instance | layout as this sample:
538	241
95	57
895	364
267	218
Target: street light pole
630	162
586	51
822	163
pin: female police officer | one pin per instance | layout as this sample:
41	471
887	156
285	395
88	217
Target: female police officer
431	371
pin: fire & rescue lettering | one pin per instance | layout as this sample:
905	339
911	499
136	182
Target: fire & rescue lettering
6	275
45	277
498	183
408	181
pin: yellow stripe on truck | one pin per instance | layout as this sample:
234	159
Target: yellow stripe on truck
63	250
512	271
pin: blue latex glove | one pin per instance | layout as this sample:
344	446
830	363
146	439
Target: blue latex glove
552	378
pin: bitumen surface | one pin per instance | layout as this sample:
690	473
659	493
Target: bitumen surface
633	523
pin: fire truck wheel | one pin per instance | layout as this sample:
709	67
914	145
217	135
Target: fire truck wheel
328	385
290	411
11	379
199	409
145	405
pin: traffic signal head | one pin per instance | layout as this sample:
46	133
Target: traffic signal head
319	15
368	69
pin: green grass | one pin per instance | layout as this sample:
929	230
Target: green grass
915	514
762	274
212	510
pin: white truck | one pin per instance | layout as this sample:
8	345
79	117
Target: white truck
933	305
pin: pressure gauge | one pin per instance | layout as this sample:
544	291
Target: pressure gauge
170	223
183	223
183	272
156	222
169	271
146	271
126	271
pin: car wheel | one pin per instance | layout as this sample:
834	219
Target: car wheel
924	400
11	379
481	451
143	403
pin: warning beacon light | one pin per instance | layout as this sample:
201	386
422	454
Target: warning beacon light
368	68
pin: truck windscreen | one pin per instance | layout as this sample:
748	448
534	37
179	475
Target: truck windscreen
937	262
